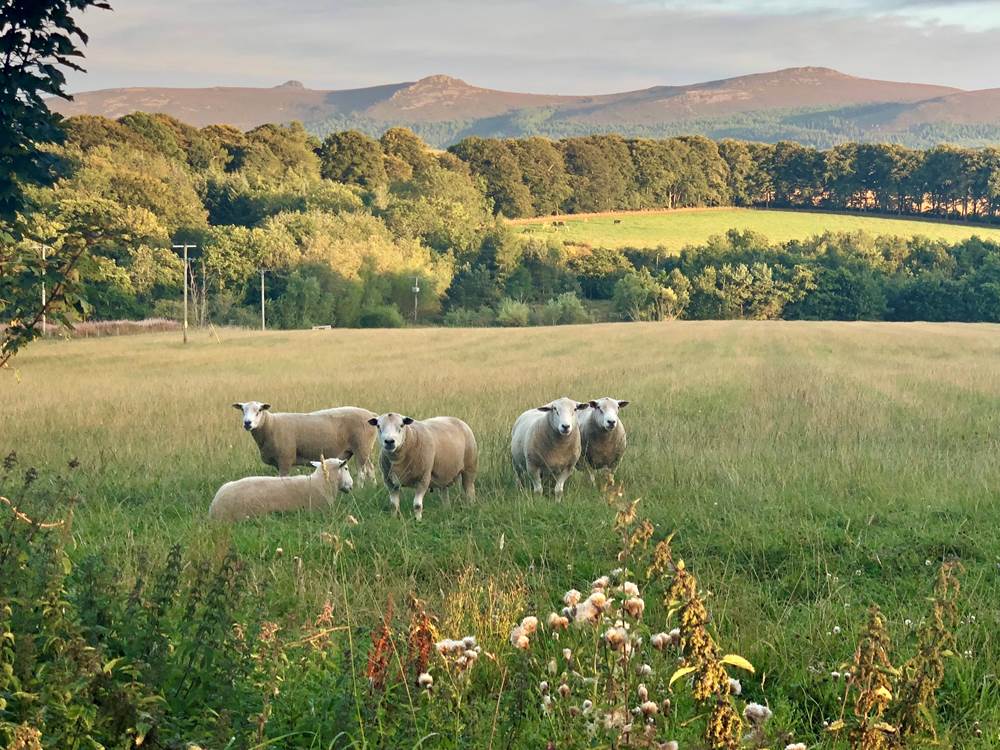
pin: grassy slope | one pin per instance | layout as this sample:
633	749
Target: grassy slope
810	469
675	229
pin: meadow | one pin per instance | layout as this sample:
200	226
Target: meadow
809	471
679	228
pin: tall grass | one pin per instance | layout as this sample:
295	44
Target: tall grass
810	470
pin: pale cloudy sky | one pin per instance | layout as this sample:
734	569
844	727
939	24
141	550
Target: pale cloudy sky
548	46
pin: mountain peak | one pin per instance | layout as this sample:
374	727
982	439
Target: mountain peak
439	79
291	84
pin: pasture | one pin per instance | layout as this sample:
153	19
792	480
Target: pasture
808	469
677	229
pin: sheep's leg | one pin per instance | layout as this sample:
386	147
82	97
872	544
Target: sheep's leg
418	501
469	485
561	478
394	499
535	472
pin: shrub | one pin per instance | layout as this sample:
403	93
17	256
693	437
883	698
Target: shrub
380	316
566	309
463	317
513	314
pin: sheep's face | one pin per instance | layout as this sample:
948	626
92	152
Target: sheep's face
253	413
561	415
606	412
391	430
336	473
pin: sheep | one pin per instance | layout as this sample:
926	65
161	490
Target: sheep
425	454
292	439
602	434
255	496
547	439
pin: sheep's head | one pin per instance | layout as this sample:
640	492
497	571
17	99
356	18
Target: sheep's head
391	430
335	472
253	413
561	414
606	412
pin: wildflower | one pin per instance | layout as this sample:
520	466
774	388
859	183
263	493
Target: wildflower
836	629
571	598
601	583
645	670
352	520
642	692
529	625
649	708
278	552
518	639
543	687
587	705
553	667
735	688
587	612
659	641
425	680
635	607
630	589
672	745
563	690
598	600
756	714
547	704
469	642
796	746
558	622
615	637
908	622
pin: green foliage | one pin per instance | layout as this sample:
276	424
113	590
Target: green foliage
513	313
353	158
380	316
566	309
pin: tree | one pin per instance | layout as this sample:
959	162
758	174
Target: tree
36	37
354	158
493	161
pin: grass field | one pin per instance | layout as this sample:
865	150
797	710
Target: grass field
809	470
676	229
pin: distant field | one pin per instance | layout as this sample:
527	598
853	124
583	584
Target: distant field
810	470
675	229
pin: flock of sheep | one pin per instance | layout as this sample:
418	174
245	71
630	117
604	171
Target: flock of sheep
550	441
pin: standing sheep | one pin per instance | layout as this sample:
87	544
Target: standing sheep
602	434
255	496
547	439
290	439
430	453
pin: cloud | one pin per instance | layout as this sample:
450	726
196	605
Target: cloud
550	46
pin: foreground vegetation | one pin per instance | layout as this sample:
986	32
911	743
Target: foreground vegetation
809	470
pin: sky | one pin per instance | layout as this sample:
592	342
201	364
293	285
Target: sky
544	46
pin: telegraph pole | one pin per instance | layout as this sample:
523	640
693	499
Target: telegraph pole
263	321
416	291
185	247
44	269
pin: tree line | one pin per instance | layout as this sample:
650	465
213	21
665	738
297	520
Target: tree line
342	229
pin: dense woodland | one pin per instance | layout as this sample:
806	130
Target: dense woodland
342	227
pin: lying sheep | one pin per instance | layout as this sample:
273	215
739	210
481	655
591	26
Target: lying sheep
255	496
547	440
431	453
602	434
291	439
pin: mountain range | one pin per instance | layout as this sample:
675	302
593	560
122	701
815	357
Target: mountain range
816	106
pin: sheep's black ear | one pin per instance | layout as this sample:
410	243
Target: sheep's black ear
373	421
544	408
346	458
592	404
264	407
579	407
622	404
407	420
238	406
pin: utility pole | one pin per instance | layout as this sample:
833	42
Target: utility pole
185	247
44	269
416	291
263	322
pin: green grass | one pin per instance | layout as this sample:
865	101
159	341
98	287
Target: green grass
676	229
809	469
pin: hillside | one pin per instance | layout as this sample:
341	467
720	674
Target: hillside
817	106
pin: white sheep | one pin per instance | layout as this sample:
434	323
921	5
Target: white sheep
287	439
425	454
255	496
546	439
602	434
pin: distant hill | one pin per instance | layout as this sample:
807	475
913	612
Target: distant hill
817	106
